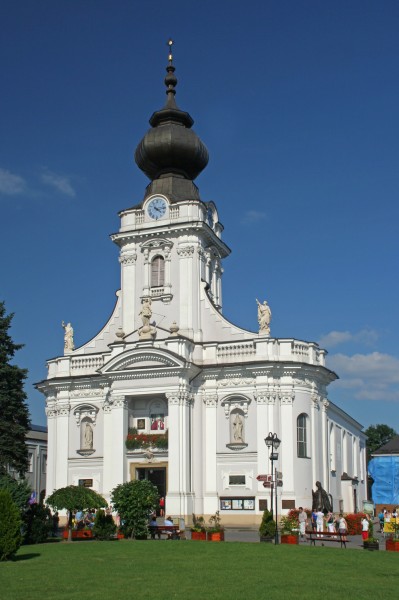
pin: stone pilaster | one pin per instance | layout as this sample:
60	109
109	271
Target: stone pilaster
210	434
127	259
180	495
115	431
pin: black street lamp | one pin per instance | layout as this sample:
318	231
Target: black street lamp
272	442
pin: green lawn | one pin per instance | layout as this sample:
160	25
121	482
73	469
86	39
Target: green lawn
185	569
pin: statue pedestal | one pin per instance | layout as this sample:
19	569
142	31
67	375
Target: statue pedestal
237	445
147	332
85	451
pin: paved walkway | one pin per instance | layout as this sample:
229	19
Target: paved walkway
233	534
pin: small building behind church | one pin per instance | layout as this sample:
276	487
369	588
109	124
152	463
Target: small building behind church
170	390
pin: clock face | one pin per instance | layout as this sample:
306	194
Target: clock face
156	208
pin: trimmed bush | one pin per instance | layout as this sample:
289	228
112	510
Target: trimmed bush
38	524
104	526
268	526
10	526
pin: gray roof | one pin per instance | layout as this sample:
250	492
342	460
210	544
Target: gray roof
391	447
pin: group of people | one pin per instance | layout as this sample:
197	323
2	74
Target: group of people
84	519
321	522
386	517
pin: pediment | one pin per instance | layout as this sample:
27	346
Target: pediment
137	360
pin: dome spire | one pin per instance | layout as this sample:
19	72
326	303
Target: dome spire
170	79
171	154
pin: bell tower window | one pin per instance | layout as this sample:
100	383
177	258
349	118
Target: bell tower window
158	271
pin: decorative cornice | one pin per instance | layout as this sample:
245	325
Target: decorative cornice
86	393
235	381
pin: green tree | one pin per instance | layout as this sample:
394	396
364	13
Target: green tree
19	490
73	498
10	526
14	413
135	501
377	436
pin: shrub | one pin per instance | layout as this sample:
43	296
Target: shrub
268	525
198	524
135	501
355	523
104	526
10	526
38	523
289	525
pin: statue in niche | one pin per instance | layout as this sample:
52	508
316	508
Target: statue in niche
264	317
321	500
88	437
146	311
238	427
68	337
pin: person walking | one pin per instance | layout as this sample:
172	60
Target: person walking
319	521
365	527
342	527
302	518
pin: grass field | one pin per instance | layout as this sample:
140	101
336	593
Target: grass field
185	569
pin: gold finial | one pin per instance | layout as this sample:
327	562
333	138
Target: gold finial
170	44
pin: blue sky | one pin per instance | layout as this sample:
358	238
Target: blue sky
297	102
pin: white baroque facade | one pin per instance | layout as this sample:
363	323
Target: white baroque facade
168	363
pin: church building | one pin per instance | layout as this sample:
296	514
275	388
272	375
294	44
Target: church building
170	391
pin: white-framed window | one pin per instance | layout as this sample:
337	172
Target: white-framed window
44	463
30	462
302	435
158	271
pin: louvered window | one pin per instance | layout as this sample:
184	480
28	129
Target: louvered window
158	272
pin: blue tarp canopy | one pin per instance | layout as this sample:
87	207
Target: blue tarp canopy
385	472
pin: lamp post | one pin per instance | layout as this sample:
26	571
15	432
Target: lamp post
272	442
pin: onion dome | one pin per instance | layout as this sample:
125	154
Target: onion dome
171	154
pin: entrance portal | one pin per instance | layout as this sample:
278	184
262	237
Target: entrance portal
157	476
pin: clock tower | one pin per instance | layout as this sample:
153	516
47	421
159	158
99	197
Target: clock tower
171	250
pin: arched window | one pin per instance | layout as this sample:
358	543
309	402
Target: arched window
302	436
158	271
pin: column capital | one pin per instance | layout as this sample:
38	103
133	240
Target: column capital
180	398
210	400
185	251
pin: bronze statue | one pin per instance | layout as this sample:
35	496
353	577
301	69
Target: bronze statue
321	500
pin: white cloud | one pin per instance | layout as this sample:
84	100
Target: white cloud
372	376
60	182
252	216
335	338
10	184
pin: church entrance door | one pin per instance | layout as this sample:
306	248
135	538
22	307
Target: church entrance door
157	476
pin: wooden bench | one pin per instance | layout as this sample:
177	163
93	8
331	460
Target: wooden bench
327	536
172	532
